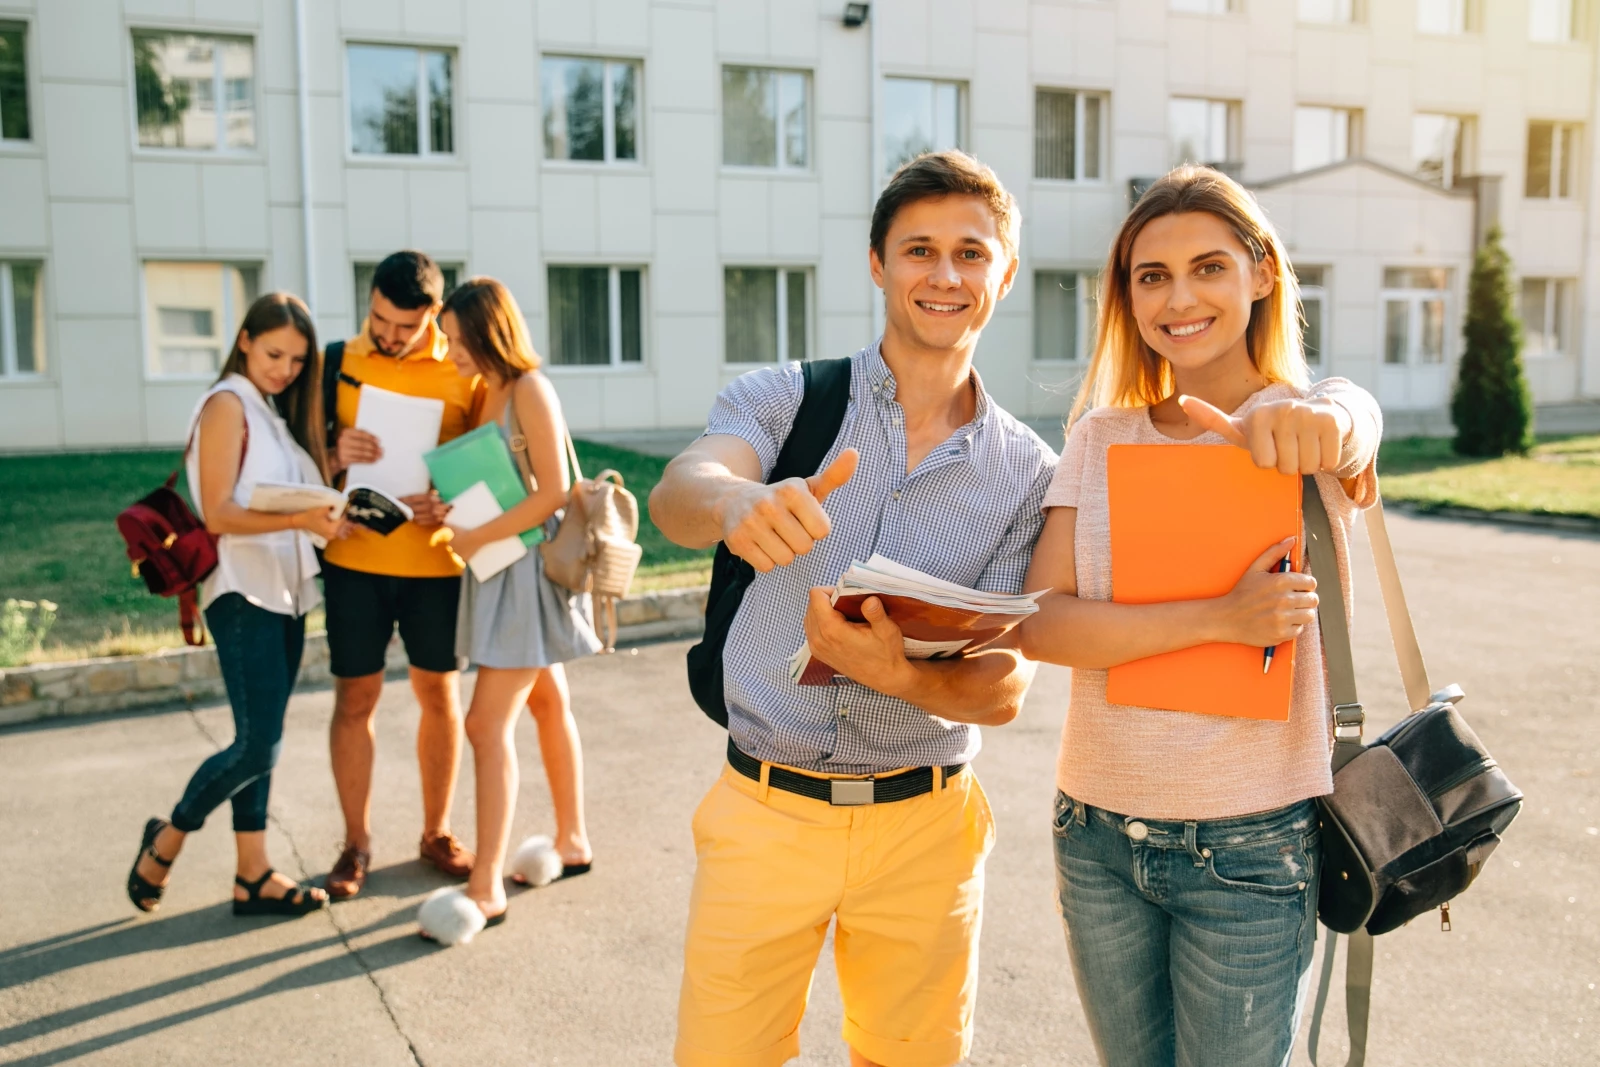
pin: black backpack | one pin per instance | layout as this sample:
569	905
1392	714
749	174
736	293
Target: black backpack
332	374
816	426
1414	815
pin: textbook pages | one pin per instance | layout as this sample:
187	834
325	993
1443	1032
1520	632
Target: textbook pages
938	619
361	504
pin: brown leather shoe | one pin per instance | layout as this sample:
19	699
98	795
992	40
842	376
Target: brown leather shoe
349	874
446	852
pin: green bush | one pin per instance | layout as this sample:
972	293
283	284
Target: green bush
23	624
1491	406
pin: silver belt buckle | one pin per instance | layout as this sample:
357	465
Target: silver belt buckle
850	792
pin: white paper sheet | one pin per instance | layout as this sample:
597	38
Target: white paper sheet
406	427
472	509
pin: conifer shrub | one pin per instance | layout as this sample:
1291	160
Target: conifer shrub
1491	406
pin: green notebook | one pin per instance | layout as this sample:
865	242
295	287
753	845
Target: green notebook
480	456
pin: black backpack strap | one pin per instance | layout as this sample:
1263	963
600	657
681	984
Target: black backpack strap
332	371
816	427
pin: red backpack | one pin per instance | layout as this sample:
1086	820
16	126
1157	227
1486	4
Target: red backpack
171	548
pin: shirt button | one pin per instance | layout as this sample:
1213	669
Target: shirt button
897	494
1138	831
844	712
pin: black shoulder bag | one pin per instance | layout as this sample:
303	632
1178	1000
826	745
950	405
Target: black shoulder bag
332	372
816	427
1414	815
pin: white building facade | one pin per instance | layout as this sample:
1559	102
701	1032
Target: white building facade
678	190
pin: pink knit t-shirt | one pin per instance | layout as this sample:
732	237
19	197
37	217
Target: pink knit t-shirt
1180	765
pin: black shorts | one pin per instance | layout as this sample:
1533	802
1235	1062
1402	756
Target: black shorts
363	610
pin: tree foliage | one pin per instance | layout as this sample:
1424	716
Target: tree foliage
1491	406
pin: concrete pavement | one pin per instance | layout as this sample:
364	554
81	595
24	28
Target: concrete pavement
587	971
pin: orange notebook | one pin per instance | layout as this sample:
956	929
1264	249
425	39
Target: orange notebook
1186	521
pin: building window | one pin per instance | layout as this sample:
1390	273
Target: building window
1413	314
1068	135
364	273
765	118
1202	131
596	316
194	92
1440	147
919	116
21	320
1447	16
765	313
1324	135
1556	21
14	124
402	101
1552	160
1328	11
1313	310
1546	316
192	311
591	109
1064	305
1204	7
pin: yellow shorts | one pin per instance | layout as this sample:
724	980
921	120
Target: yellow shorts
903	879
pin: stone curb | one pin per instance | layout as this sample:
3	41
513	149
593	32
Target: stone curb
191	675
1578	523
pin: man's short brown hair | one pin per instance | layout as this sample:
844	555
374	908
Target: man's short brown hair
949	173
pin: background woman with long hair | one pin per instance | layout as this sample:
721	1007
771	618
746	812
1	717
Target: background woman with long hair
260	422
1187	849
517	626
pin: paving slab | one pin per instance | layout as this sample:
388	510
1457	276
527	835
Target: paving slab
586	971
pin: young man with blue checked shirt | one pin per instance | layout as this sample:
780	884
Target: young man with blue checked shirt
928	471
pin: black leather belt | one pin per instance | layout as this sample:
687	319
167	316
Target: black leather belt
843	792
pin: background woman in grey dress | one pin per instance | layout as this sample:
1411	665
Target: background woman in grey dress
517	627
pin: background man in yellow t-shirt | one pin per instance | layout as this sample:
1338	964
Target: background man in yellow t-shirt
373	583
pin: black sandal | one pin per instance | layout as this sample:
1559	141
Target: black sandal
296	902
145	894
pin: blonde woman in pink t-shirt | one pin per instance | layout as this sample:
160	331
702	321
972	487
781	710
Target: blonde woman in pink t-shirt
1187	849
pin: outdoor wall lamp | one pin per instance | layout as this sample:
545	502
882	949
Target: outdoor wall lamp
855	14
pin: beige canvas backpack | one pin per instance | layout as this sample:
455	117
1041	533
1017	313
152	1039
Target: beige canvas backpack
595	549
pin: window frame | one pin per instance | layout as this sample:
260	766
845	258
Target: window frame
220	151
1358	15
151	361
1233	134
424	153
1415	299
1085	294
963	114
1352	134
1578	15
808	313
1080	141
1471	19
1466	148
808	79
9	354
1566	159
1560	313
1318	292
608	114
613	313
1229	7
31	142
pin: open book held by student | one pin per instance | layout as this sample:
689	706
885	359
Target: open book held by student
361	504
938	619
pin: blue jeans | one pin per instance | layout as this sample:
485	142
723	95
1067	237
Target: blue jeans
1191	942
259	653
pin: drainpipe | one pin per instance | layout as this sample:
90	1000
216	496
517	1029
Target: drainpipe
303	98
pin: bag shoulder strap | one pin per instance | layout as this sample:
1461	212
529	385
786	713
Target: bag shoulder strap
519	447
817	422
332	372
1349	718
194	431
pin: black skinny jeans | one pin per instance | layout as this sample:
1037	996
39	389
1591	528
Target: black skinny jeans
259	652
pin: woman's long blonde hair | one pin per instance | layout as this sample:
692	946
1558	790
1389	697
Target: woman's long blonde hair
1125	372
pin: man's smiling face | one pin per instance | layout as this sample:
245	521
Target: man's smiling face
944	268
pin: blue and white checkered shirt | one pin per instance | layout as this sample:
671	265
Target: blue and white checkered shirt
970	514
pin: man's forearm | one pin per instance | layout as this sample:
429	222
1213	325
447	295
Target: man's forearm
687	505
985	689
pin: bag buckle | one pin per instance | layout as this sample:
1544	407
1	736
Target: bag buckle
851	792
1348	720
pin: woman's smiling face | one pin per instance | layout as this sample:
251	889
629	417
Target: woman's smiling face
1192	284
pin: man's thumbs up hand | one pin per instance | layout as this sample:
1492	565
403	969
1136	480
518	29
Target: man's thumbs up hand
769	525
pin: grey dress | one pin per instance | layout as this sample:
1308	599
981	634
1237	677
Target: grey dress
519	618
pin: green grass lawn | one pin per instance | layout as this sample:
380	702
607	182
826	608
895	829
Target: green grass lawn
58	527
1559	476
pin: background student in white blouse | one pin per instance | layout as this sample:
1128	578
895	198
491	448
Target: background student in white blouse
261	421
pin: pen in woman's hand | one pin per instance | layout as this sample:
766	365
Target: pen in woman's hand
1266	654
